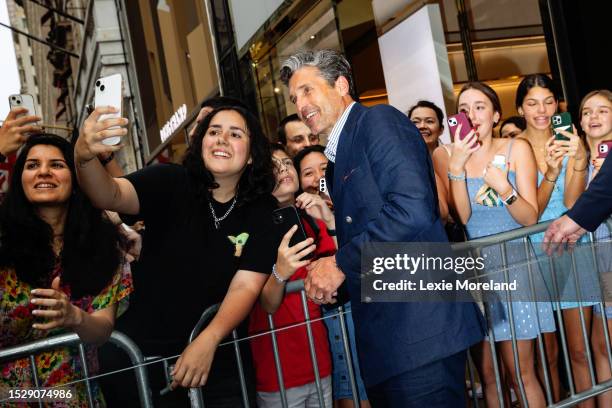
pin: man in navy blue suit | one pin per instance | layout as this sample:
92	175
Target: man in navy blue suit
591	209
383	188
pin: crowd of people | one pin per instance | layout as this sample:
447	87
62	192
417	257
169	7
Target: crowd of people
69	262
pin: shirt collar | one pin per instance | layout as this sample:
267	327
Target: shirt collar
334	135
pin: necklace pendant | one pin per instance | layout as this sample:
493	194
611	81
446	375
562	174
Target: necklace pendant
216	224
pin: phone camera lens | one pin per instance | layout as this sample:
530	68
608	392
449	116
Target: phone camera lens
18	101
97	83
102	87
13	98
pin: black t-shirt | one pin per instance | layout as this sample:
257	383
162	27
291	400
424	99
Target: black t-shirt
186	264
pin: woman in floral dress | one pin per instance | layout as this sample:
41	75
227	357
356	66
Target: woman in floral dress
61	269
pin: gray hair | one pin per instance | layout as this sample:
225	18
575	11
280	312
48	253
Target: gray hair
331	64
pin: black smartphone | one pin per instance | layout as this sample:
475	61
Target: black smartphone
284	219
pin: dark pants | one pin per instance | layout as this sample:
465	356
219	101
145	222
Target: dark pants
438	384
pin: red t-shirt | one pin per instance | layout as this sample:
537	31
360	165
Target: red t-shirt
292	343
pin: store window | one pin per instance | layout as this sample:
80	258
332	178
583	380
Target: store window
315	29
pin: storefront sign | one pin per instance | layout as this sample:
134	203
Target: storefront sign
174	123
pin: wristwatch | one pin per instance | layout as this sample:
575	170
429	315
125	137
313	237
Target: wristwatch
511	198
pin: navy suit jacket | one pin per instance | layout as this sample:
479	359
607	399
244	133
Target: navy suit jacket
383	189
595	204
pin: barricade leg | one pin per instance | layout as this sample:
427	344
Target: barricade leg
349	358
313	353
277	363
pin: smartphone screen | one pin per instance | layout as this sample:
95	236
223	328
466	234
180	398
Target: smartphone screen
109	93
561	121
284	219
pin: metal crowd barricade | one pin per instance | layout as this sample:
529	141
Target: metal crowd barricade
72	339
195	394
523	235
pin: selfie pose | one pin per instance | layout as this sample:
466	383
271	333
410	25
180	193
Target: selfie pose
207	241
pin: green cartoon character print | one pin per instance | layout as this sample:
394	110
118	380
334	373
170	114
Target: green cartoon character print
239	243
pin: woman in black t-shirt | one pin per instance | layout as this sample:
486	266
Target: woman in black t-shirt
208	236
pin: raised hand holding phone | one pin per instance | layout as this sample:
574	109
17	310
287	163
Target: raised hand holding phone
16	128
109	93
465	142
94	132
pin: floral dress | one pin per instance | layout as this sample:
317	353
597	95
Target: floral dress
57	366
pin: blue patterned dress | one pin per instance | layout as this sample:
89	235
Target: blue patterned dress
530	318
589	287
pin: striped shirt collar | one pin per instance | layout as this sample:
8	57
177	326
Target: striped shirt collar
334	136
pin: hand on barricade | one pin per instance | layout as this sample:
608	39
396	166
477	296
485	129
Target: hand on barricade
89	144
55	307
323	280
193	366
289	258
14	130
562	231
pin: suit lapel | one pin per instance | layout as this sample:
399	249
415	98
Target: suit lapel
343	153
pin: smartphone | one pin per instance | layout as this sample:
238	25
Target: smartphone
23	101
466	125
603	148
561	121
323	185
109	93
284	219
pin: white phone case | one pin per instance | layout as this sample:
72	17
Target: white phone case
109	92
23	101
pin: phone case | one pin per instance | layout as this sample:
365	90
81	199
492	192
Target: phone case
603	149
561	121
284	219
460	119
23	101
323	185
109	92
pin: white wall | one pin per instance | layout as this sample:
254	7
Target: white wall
415	62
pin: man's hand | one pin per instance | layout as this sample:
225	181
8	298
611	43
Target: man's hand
563	230
323	280
14	130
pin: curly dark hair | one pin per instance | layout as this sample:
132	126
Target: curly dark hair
258	177
91	252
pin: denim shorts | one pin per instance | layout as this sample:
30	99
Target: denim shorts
341	383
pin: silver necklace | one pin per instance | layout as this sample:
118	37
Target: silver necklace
218	220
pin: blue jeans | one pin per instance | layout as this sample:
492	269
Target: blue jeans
438	384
